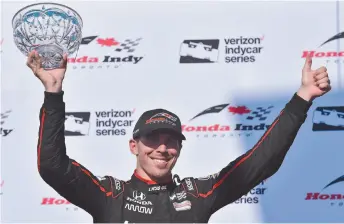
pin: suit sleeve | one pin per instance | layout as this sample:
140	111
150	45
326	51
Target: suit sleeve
259	163
66	176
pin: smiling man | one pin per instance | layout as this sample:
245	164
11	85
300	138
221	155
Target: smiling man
152	194
157	141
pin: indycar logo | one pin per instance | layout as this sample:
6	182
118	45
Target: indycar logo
199	51
77	123
328	119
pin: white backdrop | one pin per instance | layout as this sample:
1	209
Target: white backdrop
159	79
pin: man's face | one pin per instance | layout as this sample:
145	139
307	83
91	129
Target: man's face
157	153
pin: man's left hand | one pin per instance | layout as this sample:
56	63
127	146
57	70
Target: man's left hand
315	83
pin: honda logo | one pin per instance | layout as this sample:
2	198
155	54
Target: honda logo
139	195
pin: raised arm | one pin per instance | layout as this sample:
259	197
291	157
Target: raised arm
66	176
266	156
259	163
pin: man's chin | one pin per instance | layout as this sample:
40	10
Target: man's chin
161	170
161	174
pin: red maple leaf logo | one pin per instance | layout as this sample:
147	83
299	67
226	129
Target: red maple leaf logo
107	42
239	110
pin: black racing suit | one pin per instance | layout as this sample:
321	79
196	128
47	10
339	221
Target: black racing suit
188	200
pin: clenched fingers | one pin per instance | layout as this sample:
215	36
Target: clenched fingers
320	76
322	69
64	61
39	61
29	61
325	86
323	80
34	62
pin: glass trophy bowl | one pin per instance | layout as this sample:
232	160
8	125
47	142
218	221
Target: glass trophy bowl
49	28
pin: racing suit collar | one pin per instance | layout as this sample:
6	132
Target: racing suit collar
149	186
137	177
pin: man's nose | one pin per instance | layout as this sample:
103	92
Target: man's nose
162	148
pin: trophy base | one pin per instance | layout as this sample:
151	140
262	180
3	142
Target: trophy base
51	55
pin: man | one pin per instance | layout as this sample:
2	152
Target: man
152	194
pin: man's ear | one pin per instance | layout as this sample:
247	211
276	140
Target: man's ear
133	147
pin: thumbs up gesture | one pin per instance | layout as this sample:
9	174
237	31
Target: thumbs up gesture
315	83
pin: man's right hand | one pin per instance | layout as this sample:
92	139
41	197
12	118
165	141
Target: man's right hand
51	79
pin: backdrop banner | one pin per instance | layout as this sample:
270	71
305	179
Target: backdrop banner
186	57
